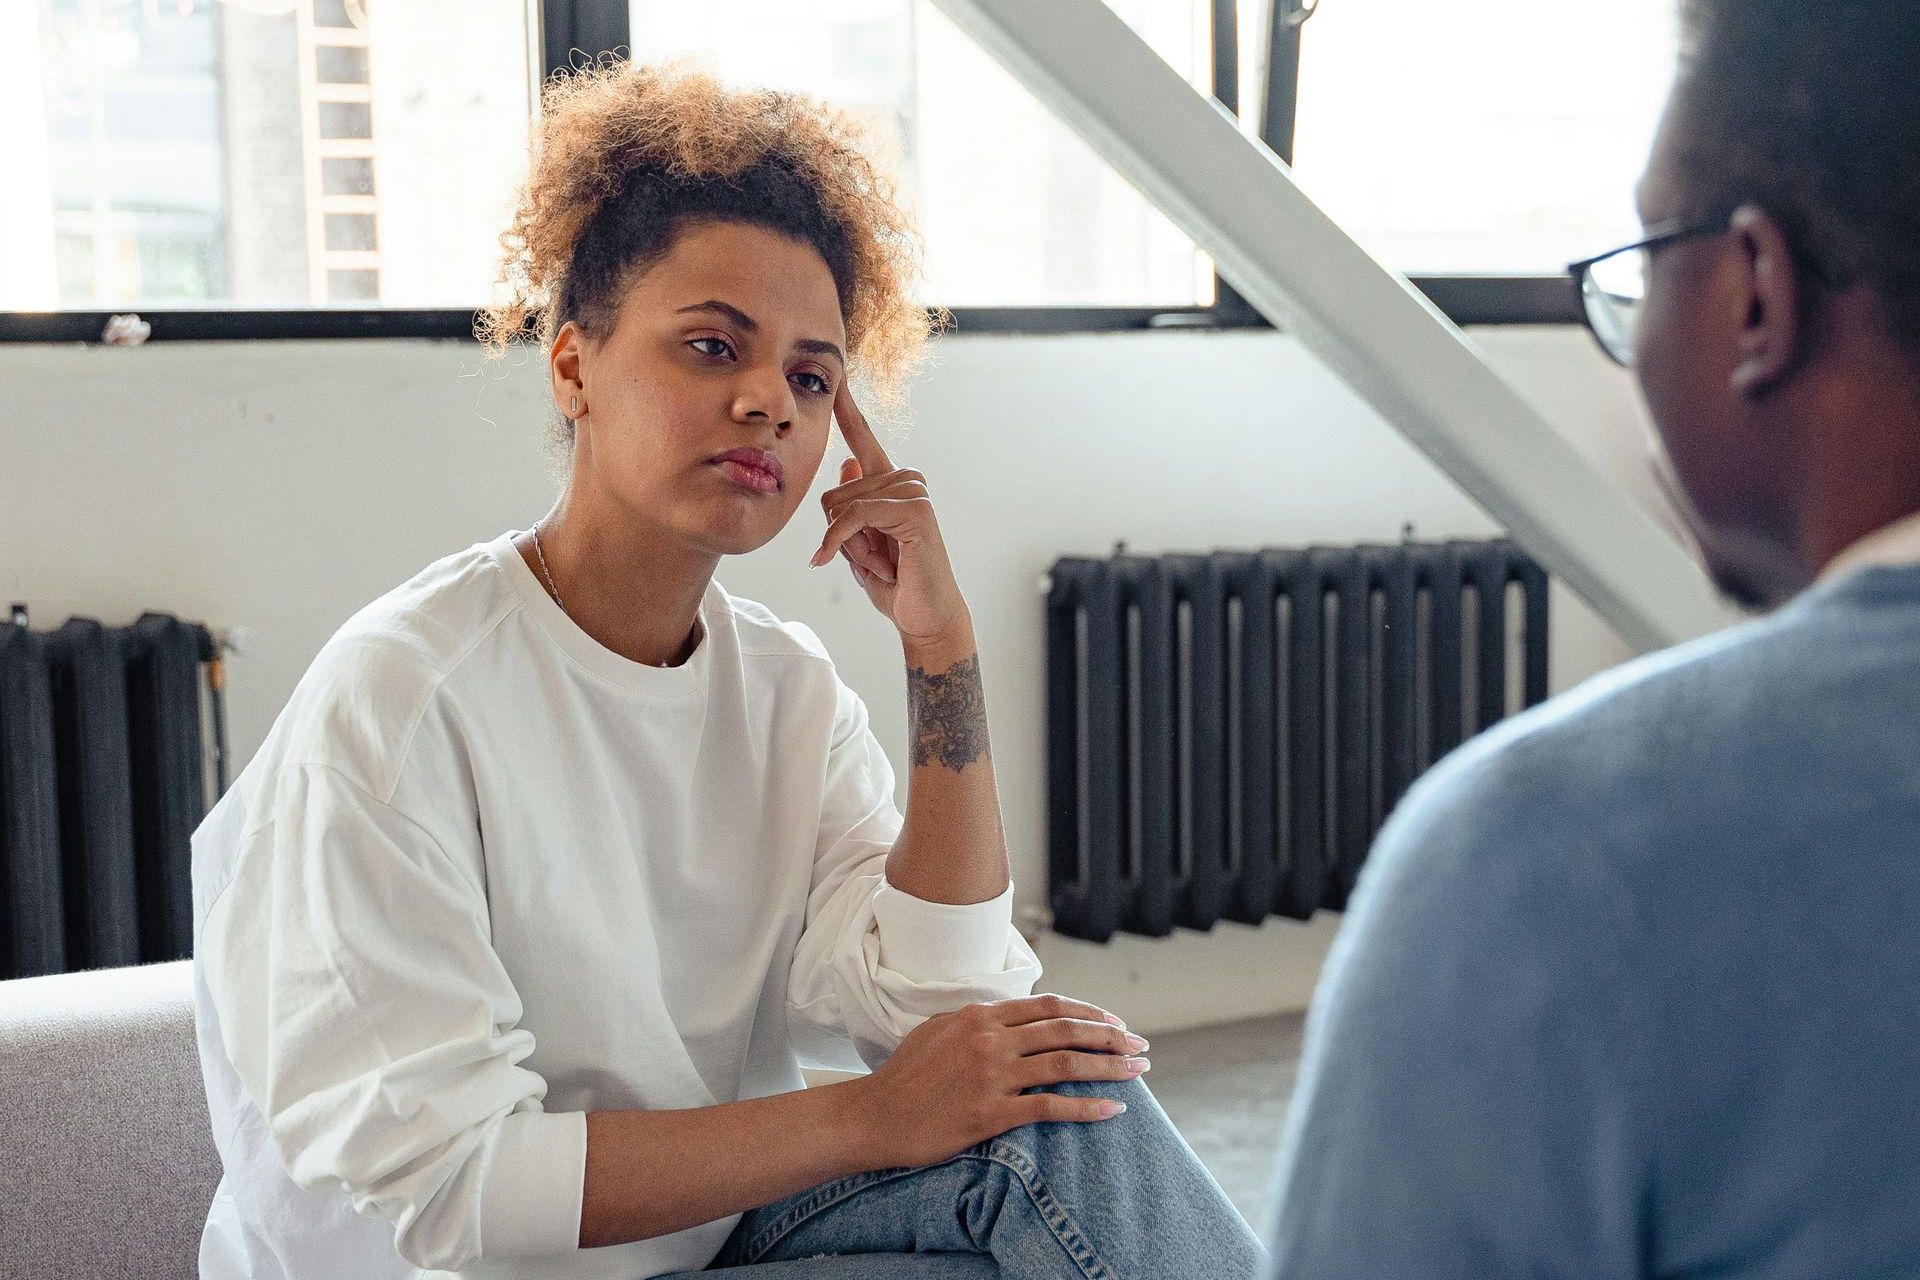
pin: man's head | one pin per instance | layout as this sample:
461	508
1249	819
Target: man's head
1781	357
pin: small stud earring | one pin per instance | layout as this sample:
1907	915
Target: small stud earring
573	405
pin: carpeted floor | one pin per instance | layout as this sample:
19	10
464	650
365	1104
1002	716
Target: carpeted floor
1226	1089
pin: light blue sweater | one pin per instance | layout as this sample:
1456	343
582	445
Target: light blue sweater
1631	984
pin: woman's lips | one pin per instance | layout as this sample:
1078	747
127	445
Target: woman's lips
749	477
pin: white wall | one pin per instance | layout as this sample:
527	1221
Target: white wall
278	486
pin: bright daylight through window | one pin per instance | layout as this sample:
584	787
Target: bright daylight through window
1017	211
268	154
257	153
299	153
1502	136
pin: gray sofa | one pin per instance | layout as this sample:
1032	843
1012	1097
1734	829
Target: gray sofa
109	1164
106	1160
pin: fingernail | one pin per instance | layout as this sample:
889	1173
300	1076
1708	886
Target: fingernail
815	562
1110	1109
1137	1065
1116	1022
1135	1043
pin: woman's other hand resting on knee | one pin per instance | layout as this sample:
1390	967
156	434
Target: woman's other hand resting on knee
959	1078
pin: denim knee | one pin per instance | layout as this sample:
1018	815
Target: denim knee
1142	1122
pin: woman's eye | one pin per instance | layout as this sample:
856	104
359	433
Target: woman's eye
721	343
815	383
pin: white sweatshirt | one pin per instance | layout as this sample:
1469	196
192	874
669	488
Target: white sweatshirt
486	875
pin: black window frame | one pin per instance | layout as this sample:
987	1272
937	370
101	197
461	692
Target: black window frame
572	29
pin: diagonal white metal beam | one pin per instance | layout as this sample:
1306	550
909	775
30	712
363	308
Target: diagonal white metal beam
1365	322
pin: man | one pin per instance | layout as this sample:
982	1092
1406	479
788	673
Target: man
1629	987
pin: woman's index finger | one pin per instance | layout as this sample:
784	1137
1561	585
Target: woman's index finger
858	435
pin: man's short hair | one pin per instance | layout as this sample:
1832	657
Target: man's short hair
1811	110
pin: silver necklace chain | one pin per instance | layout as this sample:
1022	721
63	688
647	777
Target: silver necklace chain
554	591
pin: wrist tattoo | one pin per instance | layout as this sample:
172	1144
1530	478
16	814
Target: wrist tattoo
947	715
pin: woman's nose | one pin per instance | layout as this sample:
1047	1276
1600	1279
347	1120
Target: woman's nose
760	398
781	424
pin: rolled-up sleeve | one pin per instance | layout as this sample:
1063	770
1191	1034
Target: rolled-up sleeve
874	962
368	1017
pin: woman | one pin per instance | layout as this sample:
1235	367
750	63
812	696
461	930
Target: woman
561	861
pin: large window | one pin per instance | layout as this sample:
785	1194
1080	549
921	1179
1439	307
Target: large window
1498	136
265	154
1017	210
287	154
268	166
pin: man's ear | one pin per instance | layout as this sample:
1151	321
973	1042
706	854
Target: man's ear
1770	338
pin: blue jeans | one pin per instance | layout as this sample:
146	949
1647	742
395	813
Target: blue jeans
1118	1199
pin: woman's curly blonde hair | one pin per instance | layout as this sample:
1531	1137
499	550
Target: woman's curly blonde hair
626	154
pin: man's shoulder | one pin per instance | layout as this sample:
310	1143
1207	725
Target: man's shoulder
1661	750
1713	699
1599	723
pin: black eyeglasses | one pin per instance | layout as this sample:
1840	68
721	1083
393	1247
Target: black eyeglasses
1613	285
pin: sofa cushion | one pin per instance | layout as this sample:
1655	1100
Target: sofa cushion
111	1163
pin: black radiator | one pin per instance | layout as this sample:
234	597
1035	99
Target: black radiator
1226	733
103	778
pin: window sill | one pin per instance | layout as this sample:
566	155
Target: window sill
1466	300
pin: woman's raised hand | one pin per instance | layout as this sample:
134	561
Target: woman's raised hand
880	518
958	1077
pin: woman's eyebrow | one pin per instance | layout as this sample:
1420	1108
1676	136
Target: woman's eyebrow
815	346
821	347
726	309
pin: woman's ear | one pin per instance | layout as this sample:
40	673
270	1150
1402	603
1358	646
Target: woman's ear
1770	338
565	373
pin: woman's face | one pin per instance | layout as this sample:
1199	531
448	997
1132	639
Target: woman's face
732	341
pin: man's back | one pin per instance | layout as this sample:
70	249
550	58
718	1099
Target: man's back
1628	986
